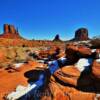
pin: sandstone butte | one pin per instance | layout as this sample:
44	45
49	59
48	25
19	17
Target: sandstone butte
10	32
81	35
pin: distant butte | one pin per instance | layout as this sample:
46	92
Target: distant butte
10	32
81	35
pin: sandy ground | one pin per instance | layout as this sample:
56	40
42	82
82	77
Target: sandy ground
9	80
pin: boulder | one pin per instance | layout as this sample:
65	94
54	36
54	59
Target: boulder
84	51
74	51
68	75
72	75
71	53
96	68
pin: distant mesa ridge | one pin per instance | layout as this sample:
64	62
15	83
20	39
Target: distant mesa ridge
10	32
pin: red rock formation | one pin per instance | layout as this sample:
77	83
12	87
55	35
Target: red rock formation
57	38
10	32
96	69
81	35
9	78
68	75
66	93
73	49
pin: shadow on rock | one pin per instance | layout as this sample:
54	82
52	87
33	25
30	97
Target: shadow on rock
33	75
87	83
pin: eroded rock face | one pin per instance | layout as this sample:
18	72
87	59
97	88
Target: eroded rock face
81	34
10	32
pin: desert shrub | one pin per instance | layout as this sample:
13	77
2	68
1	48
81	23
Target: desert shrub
11	54
20	54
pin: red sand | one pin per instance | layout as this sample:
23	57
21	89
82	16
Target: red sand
9	81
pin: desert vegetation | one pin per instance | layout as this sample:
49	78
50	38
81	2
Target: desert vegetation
95	42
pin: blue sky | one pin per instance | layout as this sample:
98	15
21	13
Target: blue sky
43	19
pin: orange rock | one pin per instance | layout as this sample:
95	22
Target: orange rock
81	51
84	51
58	91
10	32
10	80
96	69
71	54
68	75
